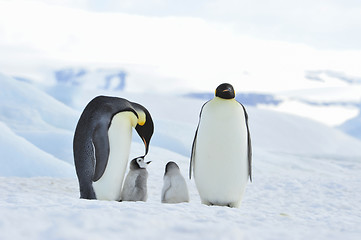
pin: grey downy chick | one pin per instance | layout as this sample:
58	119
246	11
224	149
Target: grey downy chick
174	186
135	184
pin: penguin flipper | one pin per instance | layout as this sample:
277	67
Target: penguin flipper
101	145
192	154
249	143
140	181
141	188
166	187
249	150
191	164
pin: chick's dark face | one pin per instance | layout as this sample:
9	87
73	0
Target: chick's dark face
225	91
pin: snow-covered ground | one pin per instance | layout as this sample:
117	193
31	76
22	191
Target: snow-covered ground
291	198
305	185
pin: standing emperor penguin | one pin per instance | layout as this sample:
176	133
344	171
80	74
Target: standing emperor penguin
174	186
221	151
135	184
102	141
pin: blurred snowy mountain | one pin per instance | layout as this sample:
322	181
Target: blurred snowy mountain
251	99
37	117
336	106
46	125
68	81
320	75
353	126
20	157
336	102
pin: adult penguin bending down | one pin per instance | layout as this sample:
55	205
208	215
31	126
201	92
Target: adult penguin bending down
221	152
102	143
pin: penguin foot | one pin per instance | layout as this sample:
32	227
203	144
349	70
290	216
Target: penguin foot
205	202
87	193
230	205
88	197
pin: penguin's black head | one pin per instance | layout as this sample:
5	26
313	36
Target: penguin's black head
146	130
225	91
170	165
138	163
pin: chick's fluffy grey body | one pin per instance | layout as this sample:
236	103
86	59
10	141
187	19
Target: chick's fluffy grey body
135	184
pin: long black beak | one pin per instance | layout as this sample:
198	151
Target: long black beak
148	162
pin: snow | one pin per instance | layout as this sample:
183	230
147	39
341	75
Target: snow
332	114
352	126
37	117
21	158
305	176
290	198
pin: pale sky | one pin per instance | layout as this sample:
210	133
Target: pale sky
325	24
184	46
257	45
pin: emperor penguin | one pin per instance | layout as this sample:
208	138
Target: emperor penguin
174	186
102	141
135	184
221	156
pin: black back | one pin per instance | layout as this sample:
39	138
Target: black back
170	165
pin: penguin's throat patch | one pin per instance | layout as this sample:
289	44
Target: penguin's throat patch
141	118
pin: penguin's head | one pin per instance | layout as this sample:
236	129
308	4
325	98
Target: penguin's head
145	129
138	163
171	166
225	91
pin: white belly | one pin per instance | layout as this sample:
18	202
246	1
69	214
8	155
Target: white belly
221	157
109	186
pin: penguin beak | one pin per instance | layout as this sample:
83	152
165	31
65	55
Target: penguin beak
148	162
145	144
226	90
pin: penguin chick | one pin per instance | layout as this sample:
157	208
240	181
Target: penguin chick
174	186
135	184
